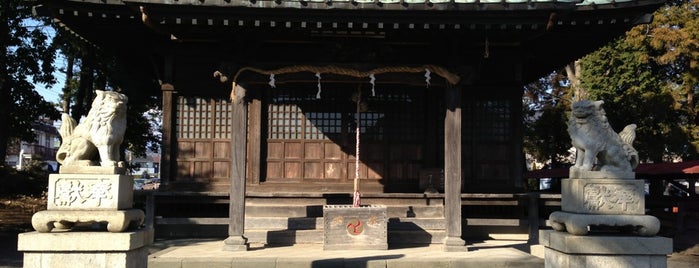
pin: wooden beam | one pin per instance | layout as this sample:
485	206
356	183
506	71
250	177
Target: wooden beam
236	226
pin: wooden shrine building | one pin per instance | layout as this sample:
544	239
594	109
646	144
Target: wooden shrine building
259	96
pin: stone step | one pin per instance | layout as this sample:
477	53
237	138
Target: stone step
290	237
310	223
388	199
284	237
416	224
416	237
286	210
281	223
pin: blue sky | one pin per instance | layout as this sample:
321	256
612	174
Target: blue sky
51	93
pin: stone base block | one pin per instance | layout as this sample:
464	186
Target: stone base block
90	192
575	173
565	250
117	221
92	168
353	228
579	224
236	243
85	249
455	244
603	196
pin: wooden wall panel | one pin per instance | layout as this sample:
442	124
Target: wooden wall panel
333	170
292	170
185	149
222	149
222	169
202	170
202	149
351	170
293	150
274	170
275	150
396	171
333	151
313	170
313	150
184	170
375	171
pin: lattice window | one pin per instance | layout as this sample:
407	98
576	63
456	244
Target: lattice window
284	121
395	115
391	114
371	126
203	118
492	122
322	125
222	119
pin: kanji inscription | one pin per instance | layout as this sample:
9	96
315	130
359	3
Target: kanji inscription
83	193
603	197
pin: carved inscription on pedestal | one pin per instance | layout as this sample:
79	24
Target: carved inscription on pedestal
83	193
607	198
89	192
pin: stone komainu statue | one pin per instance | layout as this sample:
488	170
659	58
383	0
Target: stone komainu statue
99	134
598	147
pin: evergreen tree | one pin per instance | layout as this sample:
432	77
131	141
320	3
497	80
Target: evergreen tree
545	103
649	78
26	59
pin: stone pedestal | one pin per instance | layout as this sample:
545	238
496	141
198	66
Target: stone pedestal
90	192
603	196
353	228
614	203
117	221
566	250
87	198
85	249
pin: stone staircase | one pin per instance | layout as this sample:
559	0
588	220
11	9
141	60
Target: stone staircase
297	218
294	220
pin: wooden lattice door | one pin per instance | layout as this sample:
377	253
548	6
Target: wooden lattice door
310	139
203	134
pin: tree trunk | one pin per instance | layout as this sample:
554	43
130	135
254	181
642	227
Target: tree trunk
100	80
5	99
67	94
87	79
573	73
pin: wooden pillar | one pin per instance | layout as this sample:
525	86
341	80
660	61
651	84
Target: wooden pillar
517	145
255	141
236	224
452	170
533	218
167	145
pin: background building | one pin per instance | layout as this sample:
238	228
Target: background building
43	150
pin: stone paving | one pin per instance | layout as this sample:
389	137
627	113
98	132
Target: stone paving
489	254
209	254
